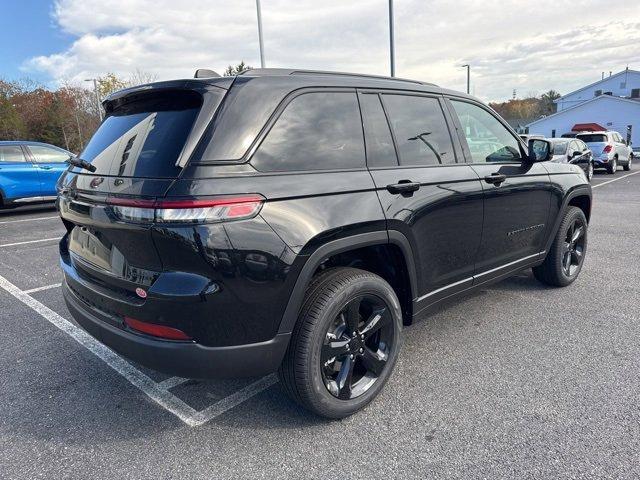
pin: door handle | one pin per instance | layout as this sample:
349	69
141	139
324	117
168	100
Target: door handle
403	186
46	167
495	178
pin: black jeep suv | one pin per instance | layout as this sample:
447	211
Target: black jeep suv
293	221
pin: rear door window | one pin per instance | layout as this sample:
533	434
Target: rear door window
144	137
11	153
420	130
316	131
381	151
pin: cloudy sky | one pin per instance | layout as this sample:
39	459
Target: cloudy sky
530	46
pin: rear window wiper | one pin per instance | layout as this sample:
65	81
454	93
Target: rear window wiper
79	162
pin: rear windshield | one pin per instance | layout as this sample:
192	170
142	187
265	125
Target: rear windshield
560	148
593	138
144	137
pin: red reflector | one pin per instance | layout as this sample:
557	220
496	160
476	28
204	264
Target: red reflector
156	330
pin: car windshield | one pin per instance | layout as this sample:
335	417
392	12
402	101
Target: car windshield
560	148
592	138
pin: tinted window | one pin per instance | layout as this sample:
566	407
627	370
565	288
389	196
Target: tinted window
487	138
560	148
420	129
378	140
47	154
11	154
592	138
144	138
316	131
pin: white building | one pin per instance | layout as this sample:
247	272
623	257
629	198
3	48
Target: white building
612	103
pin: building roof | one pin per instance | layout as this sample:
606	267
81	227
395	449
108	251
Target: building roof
625	71
587	127
594	99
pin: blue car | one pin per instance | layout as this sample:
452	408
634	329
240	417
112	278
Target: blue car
29	172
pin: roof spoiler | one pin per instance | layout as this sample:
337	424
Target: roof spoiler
205	73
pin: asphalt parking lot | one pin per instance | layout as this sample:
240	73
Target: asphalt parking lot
515	381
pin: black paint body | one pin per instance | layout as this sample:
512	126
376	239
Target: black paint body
236	287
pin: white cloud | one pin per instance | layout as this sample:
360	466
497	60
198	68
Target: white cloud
530	46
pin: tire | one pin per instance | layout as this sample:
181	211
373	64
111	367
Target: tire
324	330
627	166
612	166
553	270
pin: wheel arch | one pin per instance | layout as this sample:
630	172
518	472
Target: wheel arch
352	244
578	197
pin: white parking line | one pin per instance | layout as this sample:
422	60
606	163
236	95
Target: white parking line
28	220
169	383
158	392
235	399
29	241
40	289
124	368
615	179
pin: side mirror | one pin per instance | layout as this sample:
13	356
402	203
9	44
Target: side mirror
576	154
539	150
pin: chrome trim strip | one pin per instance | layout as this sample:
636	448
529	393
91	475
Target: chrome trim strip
506	265
442	289
479	276
29	199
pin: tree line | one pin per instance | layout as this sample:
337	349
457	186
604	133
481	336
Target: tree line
66	116
528	109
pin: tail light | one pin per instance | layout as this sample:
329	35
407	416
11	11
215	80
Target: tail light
607	149
155	330
209	210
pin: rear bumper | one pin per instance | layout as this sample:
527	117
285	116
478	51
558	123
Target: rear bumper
183	359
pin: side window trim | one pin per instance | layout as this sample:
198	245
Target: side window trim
499	119
443	109
28	156
462	140
277	113
360	93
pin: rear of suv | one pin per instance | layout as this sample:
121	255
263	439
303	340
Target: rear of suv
609	150
294	221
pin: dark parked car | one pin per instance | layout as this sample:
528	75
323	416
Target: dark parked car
293	221
567	150
29	172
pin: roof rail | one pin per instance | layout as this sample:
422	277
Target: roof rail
285	71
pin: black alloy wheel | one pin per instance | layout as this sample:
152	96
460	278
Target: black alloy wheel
565	258
573	254
357	346
345	343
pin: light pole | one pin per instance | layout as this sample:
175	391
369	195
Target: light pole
392	53
468	77
95	90
260	40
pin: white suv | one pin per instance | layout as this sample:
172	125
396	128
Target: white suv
609	150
